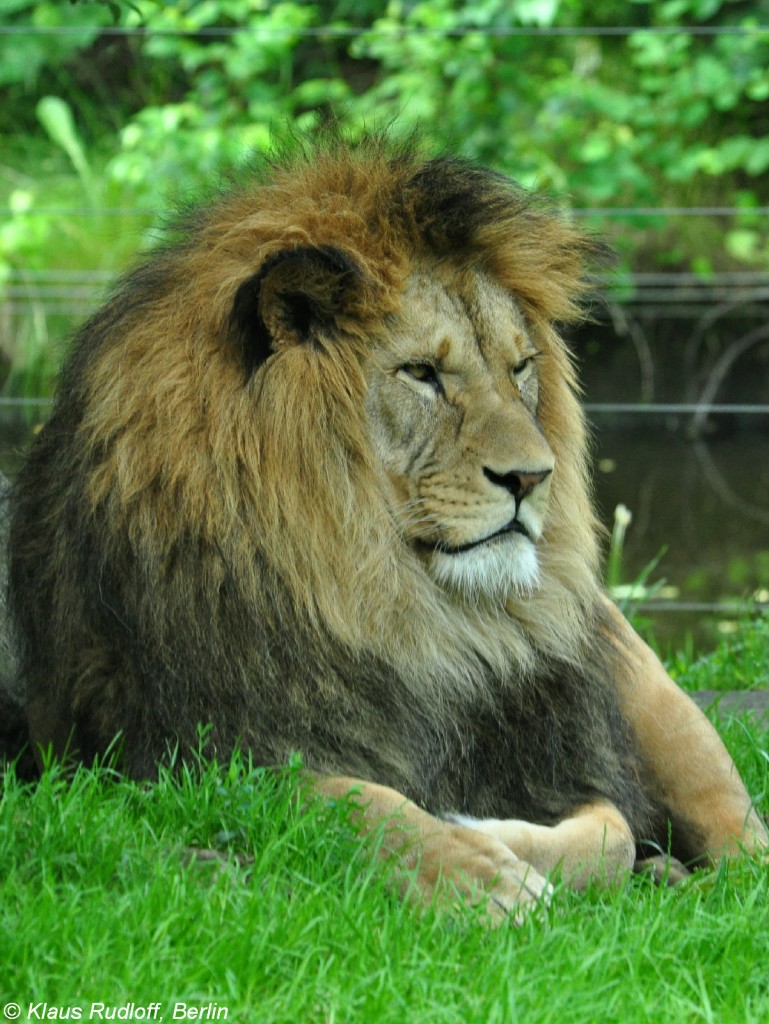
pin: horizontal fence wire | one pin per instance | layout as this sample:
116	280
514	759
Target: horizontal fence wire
731	610
738	280
675	409
77	211
354	32
12	402
598	408
68	292
667	211
577	211
677	294
737	277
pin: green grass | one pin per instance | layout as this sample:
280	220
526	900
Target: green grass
100	903
739	662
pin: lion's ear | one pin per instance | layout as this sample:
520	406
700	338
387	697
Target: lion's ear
296	296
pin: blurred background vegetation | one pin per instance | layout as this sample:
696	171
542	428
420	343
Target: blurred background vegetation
648	120
110	108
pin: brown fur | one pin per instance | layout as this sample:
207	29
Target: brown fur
206	532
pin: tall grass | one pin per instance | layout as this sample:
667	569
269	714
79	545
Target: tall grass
739	662
66	232
100	904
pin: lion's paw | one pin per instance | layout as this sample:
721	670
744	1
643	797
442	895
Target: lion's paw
664	870
462	865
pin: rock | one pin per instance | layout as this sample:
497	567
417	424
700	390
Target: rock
735	702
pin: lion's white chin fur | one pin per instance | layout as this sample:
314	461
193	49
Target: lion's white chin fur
492	570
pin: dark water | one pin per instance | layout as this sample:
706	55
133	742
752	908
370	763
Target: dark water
704	506
697	486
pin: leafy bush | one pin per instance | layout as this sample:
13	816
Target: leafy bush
617	120
143	99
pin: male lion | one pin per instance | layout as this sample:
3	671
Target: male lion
316	476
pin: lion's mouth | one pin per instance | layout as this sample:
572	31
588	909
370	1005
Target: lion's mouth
514	526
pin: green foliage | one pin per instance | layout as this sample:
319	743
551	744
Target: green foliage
142	100
56	117
631	596
607	120
740	661
25	58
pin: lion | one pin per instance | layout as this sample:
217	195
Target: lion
317	479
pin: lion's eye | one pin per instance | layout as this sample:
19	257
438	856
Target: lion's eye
422	372
522	371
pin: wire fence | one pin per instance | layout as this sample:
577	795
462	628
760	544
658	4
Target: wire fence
592	408
71	293
63	292
384	28
703	298
577	211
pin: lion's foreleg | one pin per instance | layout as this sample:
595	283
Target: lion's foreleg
445	860
594	844
690	772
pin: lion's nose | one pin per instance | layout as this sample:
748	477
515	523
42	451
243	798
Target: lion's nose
518	482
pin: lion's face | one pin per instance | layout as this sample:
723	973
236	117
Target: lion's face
452	402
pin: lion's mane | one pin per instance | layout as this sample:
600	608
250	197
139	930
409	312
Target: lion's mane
202	536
